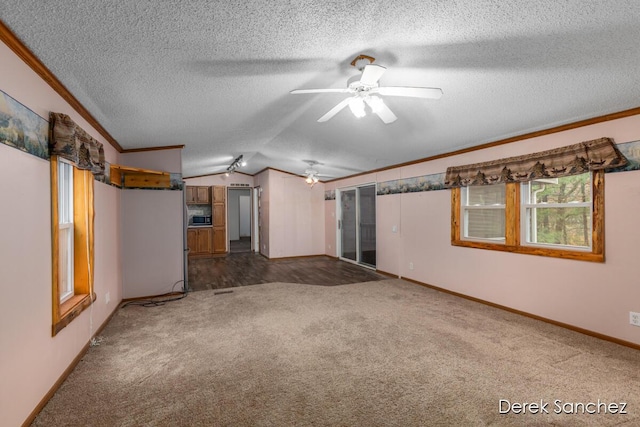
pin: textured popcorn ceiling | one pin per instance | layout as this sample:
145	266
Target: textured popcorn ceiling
216	75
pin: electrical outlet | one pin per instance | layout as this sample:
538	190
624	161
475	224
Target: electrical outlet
634	318
410	266
107	298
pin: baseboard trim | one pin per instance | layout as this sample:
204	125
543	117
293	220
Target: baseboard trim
529	315
385	273
43	402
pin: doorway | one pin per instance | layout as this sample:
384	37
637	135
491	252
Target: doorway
239	219
357	224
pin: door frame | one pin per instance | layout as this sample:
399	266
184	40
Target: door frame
255	218
251	230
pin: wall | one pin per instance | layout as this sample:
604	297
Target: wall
169	160
152	237
153	230
592	296
245	214
261	182
31	359
296	215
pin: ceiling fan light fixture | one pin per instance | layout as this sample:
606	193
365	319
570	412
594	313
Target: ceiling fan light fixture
365	85
357	107
376	104
311	177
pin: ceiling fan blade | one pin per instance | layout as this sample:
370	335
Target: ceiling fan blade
414	92
335	110
381	109
371	74
341	90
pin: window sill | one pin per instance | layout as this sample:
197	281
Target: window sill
70	309
531	250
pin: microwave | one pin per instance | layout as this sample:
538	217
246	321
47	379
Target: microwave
201	220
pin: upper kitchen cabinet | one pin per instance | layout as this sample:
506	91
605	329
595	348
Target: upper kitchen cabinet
198	195
219	192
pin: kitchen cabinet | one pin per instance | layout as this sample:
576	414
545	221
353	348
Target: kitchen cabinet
198	195
199	240
219	214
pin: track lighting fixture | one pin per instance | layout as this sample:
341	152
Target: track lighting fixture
238	162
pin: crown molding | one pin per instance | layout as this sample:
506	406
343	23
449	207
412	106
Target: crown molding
24	53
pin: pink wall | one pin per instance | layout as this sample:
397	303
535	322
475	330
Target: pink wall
152	229
152	242
296	216
262	181
32	360
330	228
163	160
593	296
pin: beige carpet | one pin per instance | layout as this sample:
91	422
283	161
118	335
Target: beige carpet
385	353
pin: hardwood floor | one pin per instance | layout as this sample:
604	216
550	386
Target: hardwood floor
242	269
241	245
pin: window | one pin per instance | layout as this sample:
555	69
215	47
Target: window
557	212
65	230
483	212
72	241
559	217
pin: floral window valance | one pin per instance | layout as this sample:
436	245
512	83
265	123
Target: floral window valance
570	160
70	141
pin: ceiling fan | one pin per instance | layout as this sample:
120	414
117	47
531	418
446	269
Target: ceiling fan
311	174
366	91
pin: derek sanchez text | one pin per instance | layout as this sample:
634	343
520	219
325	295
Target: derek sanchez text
559	407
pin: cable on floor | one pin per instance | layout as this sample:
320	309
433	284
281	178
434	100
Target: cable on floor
157	301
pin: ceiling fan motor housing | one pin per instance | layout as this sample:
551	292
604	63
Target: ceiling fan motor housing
361	60
357	86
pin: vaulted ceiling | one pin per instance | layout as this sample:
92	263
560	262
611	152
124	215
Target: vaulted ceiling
216	75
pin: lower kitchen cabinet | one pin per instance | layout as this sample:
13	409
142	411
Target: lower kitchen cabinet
219	240
199	240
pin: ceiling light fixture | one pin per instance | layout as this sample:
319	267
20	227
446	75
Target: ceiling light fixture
376	104
311	175
238	162
311	178
356	105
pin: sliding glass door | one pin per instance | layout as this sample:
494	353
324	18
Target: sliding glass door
347	225
367	225
357	224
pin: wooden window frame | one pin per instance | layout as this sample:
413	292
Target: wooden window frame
83	217
513	226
